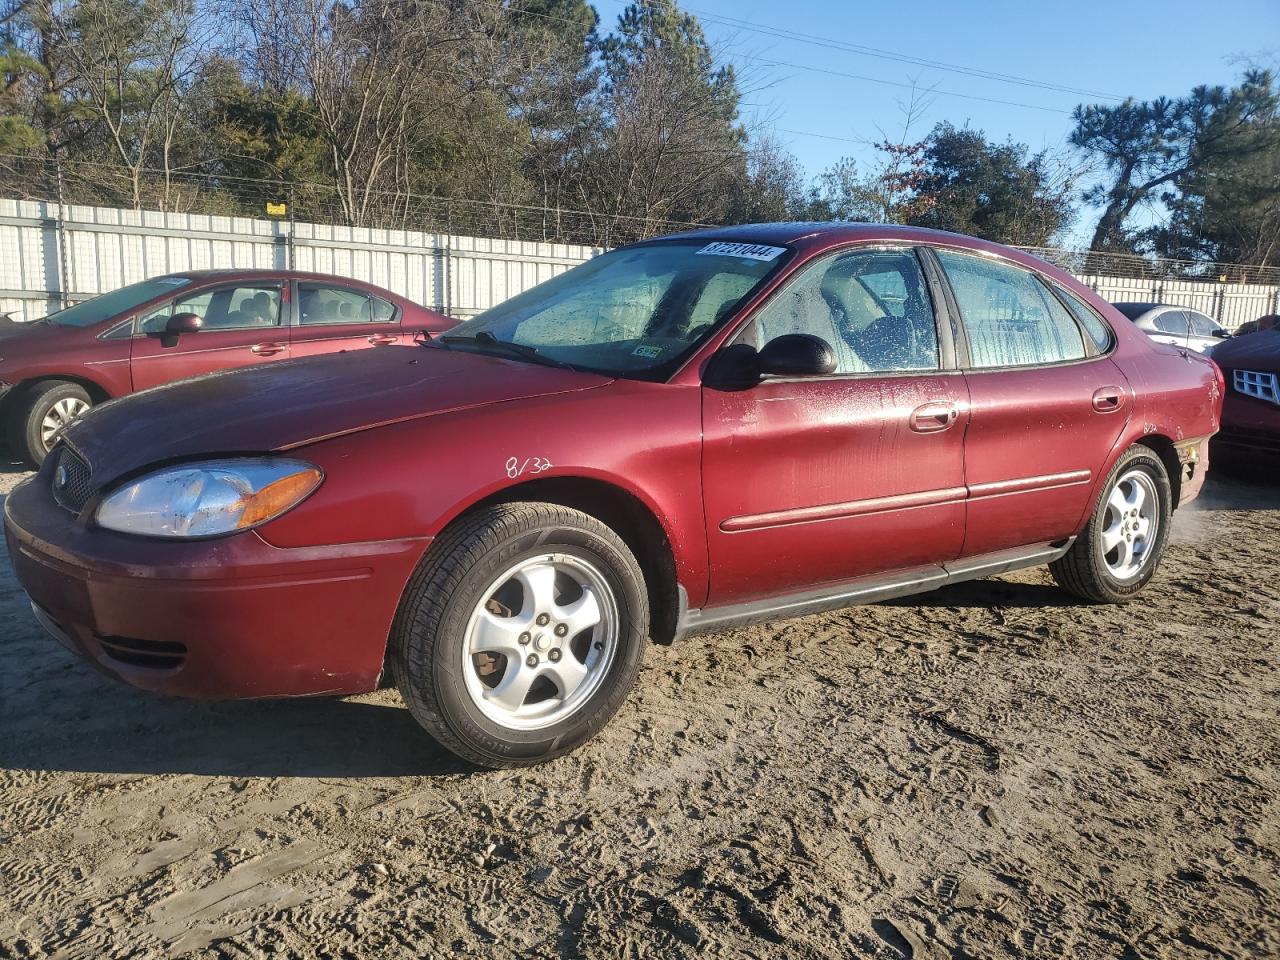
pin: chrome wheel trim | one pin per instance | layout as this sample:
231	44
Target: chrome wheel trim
571	646
59	416
1131	524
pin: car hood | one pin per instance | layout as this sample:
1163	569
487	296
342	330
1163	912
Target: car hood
34	334
1253	351
283	405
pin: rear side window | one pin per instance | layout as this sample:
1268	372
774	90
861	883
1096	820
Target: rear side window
1093	324
1201	325
1174	322
1011	318
321	304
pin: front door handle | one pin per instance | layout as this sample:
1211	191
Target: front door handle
1108	399
268	349
934	417
381	339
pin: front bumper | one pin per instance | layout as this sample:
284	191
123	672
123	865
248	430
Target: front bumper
227	618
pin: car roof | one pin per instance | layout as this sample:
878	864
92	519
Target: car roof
239	273
812	237
1136	309
791	233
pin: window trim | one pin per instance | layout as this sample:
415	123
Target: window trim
969	367
295	299
947	358
276	285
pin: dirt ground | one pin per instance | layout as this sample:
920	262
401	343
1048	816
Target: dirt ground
992	770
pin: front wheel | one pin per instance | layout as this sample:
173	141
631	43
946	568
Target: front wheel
1122	544
44	412
521	633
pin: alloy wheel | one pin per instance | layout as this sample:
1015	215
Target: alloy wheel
1131	524
58	417
540	642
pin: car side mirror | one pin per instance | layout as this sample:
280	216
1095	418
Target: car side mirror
797	355
177	325
1222	334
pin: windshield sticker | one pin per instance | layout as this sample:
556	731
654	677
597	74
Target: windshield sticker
748	251
648	351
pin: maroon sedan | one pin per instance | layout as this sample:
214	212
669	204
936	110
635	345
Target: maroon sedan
180	325
683	435
1251	409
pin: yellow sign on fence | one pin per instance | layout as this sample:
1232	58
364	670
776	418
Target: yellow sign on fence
277	209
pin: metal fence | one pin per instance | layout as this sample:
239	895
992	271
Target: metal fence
49	258
52	255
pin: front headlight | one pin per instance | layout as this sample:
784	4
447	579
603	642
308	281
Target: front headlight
209	498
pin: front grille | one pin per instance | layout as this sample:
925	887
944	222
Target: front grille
151	654
72	480
1257	384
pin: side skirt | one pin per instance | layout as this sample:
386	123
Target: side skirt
902	583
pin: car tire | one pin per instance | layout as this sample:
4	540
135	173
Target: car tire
1118	552
521	577
40	415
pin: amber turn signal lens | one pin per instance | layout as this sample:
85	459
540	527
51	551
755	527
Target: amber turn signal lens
278	496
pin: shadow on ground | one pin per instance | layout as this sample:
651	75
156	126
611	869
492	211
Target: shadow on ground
97	726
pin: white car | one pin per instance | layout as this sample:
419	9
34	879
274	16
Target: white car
1180	326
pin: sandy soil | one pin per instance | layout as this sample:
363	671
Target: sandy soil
992	770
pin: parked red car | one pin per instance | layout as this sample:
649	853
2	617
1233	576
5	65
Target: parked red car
683	435
54	369
1251	408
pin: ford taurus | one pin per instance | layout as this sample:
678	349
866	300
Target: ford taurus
680	436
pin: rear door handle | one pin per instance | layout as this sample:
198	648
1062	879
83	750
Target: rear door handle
380	339
934	417
268	349
1108	399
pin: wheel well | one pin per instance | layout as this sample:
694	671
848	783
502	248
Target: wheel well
96	393
1163	448
630	519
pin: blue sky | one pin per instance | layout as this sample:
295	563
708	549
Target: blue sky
1120	48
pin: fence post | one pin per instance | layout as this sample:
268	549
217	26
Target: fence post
292	220
446	279
60	237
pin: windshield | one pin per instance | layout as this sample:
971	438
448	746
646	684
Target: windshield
88	312
635	312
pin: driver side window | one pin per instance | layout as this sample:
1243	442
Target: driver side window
872	307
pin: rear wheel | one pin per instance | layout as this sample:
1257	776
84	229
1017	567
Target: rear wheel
521	633
1122	544
42	414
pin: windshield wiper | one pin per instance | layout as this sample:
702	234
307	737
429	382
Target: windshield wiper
486	339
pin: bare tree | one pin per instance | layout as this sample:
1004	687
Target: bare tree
132	62
367	69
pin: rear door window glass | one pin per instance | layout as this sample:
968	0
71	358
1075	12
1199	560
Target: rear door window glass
1012	320
1173	322
1201	325
319	304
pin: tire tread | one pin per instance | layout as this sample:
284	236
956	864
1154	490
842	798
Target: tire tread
419	620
